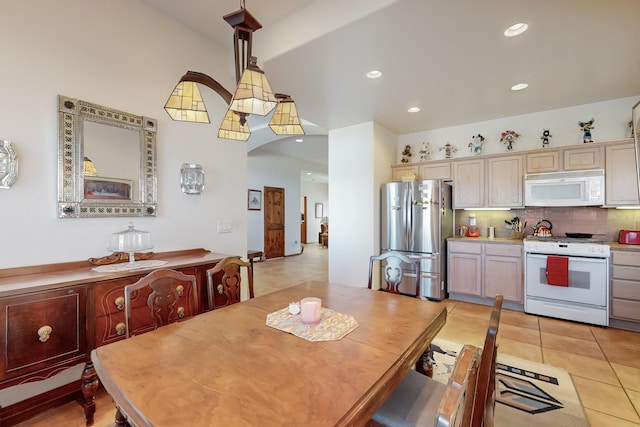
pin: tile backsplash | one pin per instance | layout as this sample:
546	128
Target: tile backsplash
603	223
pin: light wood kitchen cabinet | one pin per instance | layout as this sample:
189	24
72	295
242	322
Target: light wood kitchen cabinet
543	161
464	268
440	170
587	157
468	183
621	183
505	182
625	285
503	271
398	171
485	269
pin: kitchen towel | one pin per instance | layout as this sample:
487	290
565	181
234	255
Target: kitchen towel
558	271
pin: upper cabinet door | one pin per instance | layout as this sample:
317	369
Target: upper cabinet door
468	184
589	157
505	182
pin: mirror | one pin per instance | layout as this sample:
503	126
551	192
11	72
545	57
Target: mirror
106	162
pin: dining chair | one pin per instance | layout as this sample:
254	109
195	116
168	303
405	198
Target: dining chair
391	263
161	297
468	399
224	280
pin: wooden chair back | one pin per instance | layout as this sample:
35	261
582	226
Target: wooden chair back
484	399
456	406
391	263
467	400
225	279
161	297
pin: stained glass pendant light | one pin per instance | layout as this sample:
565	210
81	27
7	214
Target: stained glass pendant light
234	126
285	120
253	94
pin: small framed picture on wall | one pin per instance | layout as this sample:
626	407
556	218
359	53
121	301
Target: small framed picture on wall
254	201
318	210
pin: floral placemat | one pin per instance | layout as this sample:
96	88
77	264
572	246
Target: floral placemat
332	325
125	266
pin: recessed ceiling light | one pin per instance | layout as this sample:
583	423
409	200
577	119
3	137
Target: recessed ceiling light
413	109
519	86
374	74
299	140
309	173
516	29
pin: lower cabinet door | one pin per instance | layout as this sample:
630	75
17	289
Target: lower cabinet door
42	330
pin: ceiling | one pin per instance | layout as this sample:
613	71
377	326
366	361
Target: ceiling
450	58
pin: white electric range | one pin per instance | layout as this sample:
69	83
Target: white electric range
585	298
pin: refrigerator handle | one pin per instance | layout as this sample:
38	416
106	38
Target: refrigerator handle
408	203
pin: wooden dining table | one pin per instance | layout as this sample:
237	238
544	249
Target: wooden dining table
227	367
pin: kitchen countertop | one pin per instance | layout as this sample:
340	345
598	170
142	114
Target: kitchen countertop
620	247
502	240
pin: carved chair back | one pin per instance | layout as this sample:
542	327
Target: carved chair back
225	280
392	263
161	297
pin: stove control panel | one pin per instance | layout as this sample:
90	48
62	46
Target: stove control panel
568	248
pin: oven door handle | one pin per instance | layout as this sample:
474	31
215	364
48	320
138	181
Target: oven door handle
571	258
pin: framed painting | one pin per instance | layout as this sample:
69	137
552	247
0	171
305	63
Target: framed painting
254	200
99	188
318	210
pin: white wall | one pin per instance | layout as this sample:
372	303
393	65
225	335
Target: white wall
120	54
357	158
316	192
611	123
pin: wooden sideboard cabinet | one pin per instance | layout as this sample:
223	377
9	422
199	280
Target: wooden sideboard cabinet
52	316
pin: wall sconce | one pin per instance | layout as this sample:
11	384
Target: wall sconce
191	178
8	164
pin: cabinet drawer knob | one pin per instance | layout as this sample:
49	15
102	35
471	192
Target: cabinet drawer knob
220	289
180	312
120	328
120	303
180	290
44	333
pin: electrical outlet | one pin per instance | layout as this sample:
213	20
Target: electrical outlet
225	226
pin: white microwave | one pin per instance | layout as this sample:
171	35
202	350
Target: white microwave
574	188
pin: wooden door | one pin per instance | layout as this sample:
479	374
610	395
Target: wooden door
303	221
273	222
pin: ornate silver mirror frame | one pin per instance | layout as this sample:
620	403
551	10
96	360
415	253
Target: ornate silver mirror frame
72	202
8	164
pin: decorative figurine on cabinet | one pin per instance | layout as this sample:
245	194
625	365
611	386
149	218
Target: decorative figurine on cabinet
448	149
586	128
476	144
509	137
406	154
425	151
546	135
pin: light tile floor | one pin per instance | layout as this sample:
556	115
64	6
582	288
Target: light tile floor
604	362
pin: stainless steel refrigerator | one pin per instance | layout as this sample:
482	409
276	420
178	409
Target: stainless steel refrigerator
416	219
